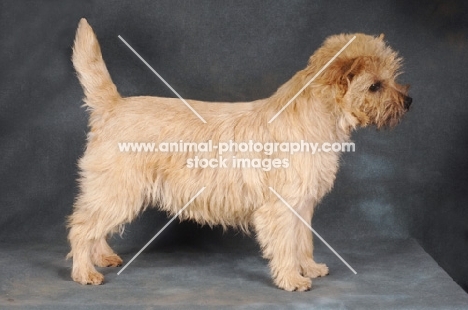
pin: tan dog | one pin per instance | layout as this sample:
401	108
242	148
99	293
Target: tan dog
357	89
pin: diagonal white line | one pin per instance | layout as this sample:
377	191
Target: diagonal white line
162	229
312	79
310	227
163	80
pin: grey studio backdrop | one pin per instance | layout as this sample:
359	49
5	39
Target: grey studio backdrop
408	183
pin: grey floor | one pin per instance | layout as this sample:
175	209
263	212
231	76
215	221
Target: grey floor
392	274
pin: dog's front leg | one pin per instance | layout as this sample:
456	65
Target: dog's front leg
305	246
277	228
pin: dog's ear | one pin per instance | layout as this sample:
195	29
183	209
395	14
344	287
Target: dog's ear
352	67
381	37
342	72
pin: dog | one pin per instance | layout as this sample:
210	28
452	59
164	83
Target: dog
357	89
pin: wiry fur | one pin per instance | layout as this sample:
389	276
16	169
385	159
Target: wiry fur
115	187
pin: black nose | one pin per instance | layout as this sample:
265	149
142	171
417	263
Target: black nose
407	102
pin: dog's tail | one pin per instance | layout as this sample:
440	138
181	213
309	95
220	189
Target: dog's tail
98	87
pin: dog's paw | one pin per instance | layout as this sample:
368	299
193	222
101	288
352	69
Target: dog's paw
93	278
294	283
314	270
109	261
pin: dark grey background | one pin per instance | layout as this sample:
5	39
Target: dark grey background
409	182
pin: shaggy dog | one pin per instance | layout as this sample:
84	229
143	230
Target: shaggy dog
357	89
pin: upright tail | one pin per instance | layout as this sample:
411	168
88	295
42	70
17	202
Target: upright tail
98	87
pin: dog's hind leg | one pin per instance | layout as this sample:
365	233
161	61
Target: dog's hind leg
276	227
103	256
81	244
103	205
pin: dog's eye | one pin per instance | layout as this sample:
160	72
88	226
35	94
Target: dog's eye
375	87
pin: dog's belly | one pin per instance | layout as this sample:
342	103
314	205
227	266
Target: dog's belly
227	200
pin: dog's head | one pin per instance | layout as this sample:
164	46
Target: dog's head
363	79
